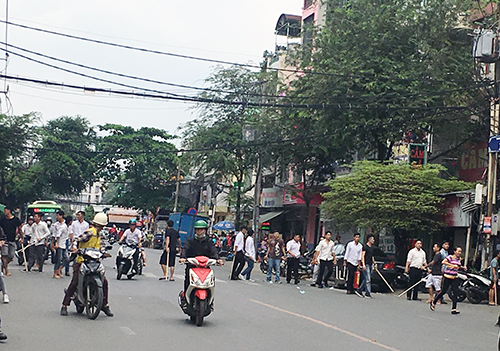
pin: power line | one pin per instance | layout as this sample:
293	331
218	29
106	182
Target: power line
300	71
198	99
378	97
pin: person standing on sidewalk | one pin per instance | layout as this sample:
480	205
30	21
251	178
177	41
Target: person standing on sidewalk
40	234
367	264
11	225
352	259
325	255
293	252
415	263
249	256
172	239
451	265
275	253
239	255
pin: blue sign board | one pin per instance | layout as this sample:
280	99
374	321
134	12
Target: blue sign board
494	144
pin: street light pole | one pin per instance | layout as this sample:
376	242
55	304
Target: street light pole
177	182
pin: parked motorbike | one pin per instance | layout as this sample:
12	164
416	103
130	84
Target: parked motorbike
89	295
198	300
463	287
125	261
477	288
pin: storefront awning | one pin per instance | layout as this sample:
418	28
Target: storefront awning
268	216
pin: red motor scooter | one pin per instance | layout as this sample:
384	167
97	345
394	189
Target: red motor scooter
198	300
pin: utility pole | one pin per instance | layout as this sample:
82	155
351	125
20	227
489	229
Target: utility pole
492	162
256	197
177	183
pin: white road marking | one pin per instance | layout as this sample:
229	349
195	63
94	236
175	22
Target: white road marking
150	275
427	317
127	330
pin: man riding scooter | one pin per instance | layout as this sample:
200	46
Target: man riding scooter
199	245
90	238
132	237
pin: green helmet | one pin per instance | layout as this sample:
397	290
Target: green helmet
200	224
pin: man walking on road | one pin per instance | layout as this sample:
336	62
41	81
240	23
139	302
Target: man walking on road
293	252
249	256
325	255
11	225
172	239
367	264
352	259
239	256
435	277
415	263
275	253
40	234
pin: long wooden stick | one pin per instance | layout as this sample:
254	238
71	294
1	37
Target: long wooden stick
385	281
495	285
24	256
414	285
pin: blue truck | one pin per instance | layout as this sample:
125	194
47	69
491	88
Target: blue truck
184	224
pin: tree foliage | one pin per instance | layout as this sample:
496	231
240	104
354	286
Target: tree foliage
389	195
224	155
67	154
142	161
385	67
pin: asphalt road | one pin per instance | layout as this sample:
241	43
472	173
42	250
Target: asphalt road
247	316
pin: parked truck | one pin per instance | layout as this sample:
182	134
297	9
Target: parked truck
184	224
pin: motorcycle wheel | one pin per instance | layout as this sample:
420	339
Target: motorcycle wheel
474	296
95	300
200	307
140	265
263	267
79	308
119	272
462	295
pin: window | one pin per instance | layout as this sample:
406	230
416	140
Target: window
97	198
308	3
308	30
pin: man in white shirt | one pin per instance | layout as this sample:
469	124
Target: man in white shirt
249	256
415	263
293	255
60	230
352	259
132	237
78	227
40	233
325	254
239	256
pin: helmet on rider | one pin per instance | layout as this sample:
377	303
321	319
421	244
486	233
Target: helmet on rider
100	219
132	221
200	234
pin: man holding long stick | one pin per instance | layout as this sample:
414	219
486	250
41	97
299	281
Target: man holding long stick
415	263
40	234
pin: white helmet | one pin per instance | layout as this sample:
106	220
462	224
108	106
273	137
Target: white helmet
100	219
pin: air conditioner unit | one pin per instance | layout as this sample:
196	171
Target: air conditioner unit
486	47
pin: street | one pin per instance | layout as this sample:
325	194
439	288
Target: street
247	316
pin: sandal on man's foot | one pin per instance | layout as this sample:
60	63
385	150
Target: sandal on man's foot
432	306
162	278
455	312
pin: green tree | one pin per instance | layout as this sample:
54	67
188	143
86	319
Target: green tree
19	181
392	196
141	162
225	156
388	66
67	155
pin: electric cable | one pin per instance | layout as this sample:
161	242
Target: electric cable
222	62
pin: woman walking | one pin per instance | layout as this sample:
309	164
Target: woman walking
451	265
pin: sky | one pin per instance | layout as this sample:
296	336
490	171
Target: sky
229	30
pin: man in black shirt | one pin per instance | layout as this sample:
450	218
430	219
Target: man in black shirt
199	245
436	275
172	239
11	225
367	261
